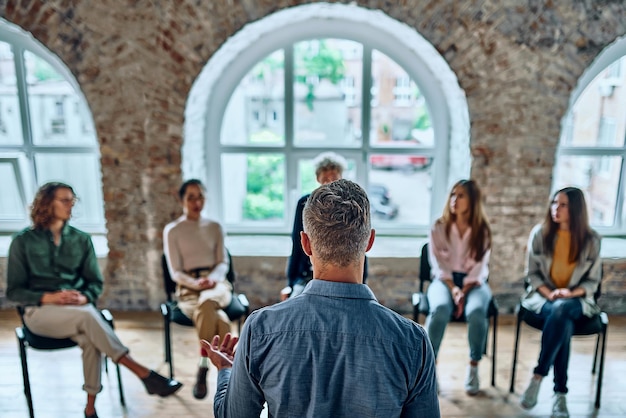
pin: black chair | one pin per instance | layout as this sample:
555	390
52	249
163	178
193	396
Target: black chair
420	306
27	338
237	310
597	325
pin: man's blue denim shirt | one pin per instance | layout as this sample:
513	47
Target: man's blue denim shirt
332	351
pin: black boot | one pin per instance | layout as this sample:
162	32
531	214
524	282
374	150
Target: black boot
200	388
159	385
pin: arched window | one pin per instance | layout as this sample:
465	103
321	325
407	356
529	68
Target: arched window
325	94
325	77
592	148
46	133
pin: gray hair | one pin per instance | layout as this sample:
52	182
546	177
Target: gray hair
329	161
337	220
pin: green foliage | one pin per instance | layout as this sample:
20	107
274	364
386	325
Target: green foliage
268	66
422	119
308	180
45	72
265	179
321	62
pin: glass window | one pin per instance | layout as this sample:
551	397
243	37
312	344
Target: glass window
54	140
323	117
11	209
255	111
307	98
10	119
592	151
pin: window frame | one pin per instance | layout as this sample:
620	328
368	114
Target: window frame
238	70
25	153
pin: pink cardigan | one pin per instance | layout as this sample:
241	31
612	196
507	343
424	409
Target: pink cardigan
452	254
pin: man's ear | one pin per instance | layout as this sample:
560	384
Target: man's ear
371	240
306	243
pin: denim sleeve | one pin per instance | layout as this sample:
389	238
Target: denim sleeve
422	400
238	394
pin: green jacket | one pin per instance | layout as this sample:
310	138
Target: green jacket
36	265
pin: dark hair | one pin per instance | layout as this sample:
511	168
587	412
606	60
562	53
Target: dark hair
480	237
183	188
336	218
41	211
578	223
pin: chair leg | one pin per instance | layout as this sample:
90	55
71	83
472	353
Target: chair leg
515	349
119	385
595	356
493	350
25	376
601	373
168	345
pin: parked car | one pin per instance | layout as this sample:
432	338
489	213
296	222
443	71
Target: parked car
400	162
380	202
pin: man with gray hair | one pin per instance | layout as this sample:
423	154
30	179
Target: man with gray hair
333	350
329	166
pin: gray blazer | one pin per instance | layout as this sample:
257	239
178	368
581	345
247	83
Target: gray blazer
587	273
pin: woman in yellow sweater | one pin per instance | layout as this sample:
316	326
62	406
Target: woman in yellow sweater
564	269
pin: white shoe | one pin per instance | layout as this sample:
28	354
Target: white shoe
471	380
559	409
529	397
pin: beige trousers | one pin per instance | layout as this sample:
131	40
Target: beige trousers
204	308
85	325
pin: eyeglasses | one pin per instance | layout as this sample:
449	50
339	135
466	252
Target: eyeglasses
193	199
67	202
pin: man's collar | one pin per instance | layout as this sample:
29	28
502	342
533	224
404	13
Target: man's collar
339	289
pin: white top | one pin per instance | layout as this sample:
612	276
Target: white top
452	254
191	244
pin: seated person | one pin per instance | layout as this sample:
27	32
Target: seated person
53	272
458	250
564	268
198	263
329	167
333	351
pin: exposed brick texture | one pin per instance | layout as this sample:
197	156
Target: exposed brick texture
136	61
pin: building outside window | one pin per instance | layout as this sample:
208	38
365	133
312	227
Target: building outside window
592	149
40	140
317	88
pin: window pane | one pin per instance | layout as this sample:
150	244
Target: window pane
82	172
58	115
401	194
255	114
253	185
327	93
597	117
12	208
10	122
598	177
399	111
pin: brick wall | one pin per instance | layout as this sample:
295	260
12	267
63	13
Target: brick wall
516	61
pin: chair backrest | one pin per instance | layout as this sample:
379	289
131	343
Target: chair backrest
424	274
169	285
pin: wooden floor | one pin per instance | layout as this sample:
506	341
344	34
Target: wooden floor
57	376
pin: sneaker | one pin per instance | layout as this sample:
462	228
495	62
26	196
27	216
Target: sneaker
559	409
471	380
529	397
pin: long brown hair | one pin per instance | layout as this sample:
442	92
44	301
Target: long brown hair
480	235
580	230
41	211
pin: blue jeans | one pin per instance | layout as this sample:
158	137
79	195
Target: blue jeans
559	317
440	313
